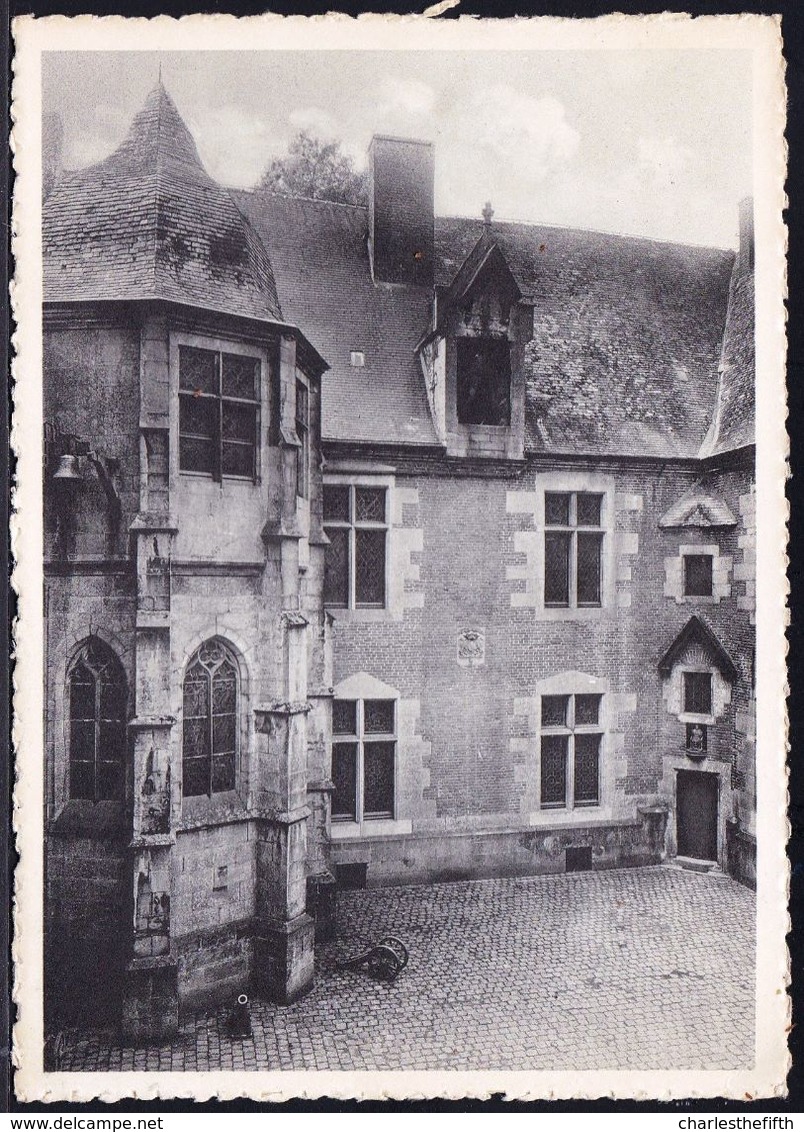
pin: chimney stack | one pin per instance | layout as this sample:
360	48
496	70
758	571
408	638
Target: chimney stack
745	253
401	210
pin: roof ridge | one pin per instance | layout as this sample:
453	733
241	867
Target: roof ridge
293	196
593	231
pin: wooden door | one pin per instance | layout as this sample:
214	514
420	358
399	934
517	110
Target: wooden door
696	814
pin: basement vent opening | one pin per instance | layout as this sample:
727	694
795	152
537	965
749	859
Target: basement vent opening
351	876
578	860
357	358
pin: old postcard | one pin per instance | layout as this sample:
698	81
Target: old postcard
400	543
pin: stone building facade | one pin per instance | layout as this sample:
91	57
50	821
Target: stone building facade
380	548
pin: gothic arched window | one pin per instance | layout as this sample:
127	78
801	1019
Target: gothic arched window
209	751
97	693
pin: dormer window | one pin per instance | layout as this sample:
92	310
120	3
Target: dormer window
484	381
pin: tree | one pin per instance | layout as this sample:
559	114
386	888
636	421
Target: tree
317	169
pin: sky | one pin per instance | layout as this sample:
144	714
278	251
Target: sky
649	143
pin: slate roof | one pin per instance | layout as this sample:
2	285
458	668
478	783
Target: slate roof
627	335
628	332
734	417
319	254
149	222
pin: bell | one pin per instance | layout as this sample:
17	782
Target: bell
68	468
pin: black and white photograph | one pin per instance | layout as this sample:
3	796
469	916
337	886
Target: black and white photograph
400	414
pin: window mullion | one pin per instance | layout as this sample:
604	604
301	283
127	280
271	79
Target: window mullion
571	771
359	771
209	731
219	420
96	732
352	550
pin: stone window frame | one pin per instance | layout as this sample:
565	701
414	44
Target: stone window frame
353	612
78	657
705	718
226	345
211	669
572	530
57	722
364	686
570	730
575	482
359	739
201	808
721	572
574	683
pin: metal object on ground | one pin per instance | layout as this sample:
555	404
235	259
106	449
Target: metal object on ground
238	1022
383	961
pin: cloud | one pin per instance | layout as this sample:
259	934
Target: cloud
234	144
109	125
518	127
315	121
663	161
504	145
411	96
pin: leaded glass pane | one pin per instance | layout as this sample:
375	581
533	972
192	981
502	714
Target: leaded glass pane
369	567
195	776
554	770
240	376
697	575
196	693
378	717
336	567
556	508
82	740
589	546
587	709
223	772
238	459
82	693
82	780
112	699
336	502
239	422
587	509
587	764
196	455
556	568
109	781
554	711
198	369
224	691
370	504
344	717
196	737
223	734
378	786
197	416
302	404
112	742
698	692
344	777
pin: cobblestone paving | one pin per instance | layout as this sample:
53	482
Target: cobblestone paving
639	969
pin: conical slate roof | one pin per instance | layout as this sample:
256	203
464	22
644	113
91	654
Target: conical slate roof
150	223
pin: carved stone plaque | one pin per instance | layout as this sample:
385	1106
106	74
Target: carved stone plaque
472	648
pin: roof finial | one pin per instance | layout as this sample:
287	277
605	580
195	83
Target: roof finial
488	212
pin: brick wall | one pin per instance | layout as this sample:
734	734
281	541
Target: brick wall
481	569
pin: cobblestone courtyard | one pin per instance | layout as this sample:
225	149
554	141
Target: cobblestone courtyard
640	969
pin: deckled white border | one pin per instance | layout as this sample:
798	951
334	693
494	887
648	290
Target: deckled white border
759	34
